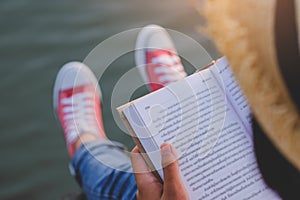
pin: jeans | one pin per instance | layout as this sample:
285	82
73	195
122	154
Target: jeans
103	170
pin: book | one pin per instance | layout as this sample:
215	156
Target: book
208	120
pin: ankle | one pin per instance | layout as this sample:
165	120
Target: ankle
84	138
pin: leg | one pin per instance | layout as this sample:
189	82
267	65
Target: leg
101	167
103	170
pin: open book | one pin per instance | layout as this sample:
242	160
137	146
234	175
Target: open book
207	119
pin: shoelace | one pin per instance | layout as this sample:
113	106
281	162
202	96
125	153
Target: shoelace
79	115
167	73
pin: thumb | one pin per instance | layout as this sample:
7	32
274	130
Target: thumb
172	179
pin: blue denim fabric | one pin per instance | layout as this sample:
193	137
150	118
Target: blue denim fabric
103	170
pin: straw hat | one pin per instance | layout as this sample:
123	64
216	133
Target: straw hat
245	31
261	41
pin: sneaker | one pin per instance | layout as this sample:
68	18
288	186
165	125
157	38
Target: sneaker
157	58
76	100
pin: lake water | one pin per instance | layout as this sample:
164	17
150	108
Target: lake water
36	38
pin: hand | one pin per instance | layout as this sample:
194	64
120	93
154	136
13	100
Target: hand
149	187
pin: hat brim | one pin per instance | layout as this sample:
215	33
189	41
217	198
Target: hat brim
244	32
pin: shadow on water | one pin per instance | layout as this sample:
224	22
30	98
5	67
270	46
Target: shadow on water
36	39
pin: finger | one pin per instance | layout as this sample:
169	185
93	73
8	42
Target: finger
147	183
172	178
143	174
169	163
138	163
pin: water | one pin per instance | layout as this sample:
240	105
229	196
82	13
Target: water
36	38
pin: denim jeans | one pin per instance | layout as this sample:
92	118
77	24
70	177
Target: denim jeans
103	170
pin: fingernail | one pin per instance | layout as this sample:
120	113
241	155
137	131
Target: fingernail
166	149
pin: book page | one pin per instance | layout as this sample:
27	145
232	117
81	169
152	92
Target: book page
216	154
234	93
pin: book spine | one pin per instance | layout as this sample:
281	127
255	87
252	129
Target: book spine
146	144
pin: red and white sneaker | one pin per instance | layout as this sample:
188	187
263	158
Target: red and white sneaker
157	58
76	100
